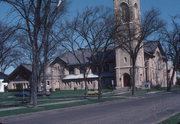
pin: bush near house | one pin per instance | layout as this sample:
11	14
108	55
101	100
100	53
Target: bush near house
158	86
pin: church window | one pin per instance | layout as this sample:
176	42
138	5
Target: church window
59	68
159	64
125	14
135	11
140	77
71	70
125	59
48	82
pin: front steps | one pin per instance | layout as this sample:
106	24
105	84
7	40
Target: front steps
121	90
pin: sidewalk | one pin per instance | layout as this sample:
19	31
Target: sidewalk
40	105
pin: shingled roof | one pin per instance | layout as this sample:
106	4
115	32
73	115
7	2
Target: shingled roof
70	59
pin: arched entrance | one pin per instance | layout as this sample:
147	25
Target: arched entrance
127	80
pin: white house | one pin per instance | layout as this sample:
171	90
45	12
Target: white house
2	84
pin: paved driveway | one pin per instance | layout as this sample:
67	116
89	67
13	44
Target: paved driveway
148	109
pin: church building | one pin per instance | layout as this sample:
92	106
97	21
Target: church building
65	72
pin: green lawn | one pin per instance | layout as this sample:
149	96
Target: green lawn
74	92
9	100
58	106
172	120
67	93
7	94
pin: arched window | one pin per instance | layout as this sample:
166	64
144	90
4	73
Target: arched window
135	11
125	60
125	14
158	60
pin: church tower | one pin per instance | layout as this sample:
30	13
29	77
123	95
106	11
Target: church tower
128	11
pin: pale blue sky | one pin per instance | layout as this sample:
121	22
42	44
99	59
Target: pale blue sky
168	8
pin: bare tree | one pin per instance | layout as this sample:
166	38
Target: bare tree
75	45
9	53
92	30
37	17
131	33
172	41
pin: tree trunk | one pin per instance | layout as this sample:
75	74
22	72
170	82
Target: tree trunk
31	91
85	81
99	87
167	77
171	81
133	79
34	82
44	77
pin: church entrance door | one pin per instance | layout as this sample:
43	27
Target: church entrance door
127	80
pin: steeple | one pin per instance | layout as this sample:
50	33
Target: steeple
127	10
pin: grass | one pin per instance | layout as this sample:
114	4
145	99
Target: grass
8	100
19	102
7	94
51	107
106	90
172	120
63	93
60	93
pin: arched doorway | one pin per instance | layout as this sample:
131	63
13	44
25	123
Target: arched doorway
127	80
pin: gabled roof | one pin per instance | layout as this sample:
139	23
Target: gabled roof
22	72
82	57
151	46
78	57
3	76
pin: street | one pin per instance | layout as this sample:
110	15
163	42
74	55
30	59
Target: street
147	109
